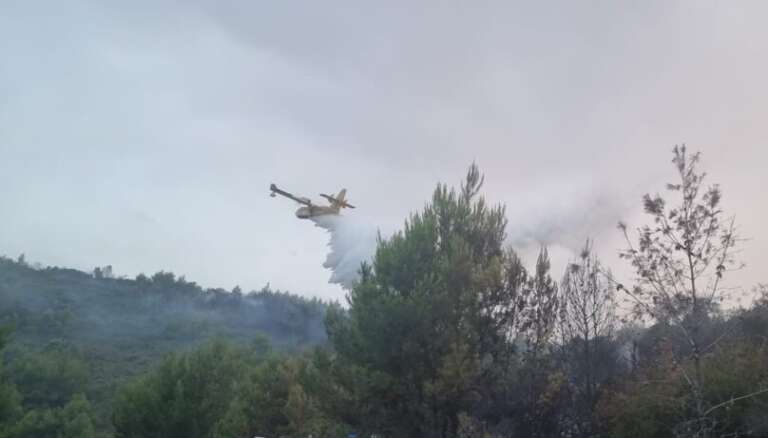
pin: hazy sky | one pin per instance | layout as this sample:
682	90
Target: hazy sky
144	134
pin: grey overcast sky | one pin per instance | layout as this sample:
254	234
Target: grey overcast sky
144	134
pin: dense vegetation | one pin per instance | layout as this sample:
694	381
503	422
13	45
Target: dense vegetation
447	334
86	334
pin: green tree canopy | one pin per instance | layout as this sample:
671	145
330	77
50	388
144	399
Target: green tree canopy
184	397
438	311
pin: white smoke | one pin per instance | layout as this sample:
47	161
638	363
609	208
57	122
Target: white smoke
563	214
353	241
563	229
559	219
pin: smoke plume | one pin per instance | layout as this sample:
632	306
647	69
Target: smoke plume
559	217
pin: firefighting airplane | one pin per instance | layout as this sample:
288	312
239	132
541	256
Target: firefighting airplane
311	210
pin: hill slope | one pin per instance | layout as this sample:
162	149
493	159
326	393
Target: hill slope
121	327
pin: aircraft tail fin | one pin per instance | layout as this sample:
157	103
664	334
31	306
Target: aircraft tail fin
338	201
342	197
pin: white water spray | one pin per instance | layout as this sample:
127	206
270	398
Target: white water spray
352	242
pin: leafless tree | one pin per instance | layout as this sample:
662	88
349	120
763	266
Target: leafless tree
680	261
586	322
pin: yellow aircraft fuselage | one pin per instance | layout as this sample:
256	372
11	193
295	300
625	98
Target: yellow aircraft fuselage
315	210
310	210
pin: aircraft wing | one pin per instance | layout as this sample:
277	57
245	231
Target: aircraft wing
337	201
276	190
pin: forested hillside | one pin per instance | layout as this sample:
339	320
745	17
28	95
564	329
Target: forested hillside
447	335
76	332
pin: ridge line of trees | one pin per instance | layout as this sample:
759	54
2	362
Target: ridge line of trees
449	335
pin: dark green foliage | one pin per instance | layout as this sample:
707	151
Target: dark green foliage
73	420
60	415
10	399
220	390
10	406
48	378
446	335
184	397
435	319
56	303
76	332
754	322
455	337
655	400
